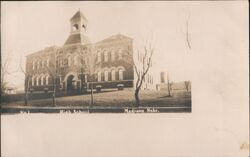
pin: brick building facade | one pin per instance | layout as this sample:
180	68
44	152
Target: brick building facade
71	68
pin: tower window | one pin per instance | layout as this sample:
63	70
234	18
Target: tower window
75	27
83	26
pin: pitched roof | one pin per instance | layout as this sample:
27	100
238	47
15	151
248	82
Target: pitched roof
115	37
77	15
77	39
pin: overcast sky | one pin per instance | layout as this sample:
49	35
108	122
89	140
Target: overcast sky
31	26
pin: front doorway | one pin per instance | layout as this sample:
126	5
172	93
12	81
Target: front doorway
70	83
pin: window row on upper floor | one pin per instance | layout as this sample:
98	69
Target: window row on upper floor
70	61
40	64
110	55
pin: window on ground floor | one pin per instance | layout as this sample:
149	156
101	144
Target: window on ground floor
120	74
113	74
106	75
99	76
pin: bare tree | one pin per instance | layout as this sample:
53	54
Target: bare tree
89	68
4	72
27	80
169	85
147	53
188	34
53	73
187	83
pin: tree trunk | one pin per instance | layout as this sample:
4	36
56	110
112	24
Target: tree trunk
26	98
186	85
137	99
54	93
169	91
92	98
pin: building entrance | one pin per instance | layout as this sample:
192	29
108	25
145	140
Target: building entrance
70	83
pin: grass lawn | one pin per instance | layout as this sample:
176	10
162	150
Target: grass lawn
125	98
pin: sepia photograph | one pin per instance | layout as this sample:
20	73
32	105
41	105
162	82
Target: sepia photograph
124	79
120	69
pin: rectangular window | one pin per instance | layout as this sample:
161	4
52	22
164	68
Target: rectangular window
42	80
112	55
38	64
106	56
47	80
120	54
33	65
99	57
33	81
99	76
113	75
47	62
120	74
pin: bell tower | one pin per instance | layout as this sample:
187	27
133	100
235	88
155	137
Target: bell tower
78	23
78	28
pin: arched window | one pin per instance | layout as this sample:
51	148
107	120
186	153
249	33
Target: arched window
106	75
120	72
42	78
33	81
113	74
99	76
99	56
47	80
37	81
106	56
112	55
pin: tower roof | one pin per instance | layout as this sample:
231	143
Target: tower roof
77	39
77	15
